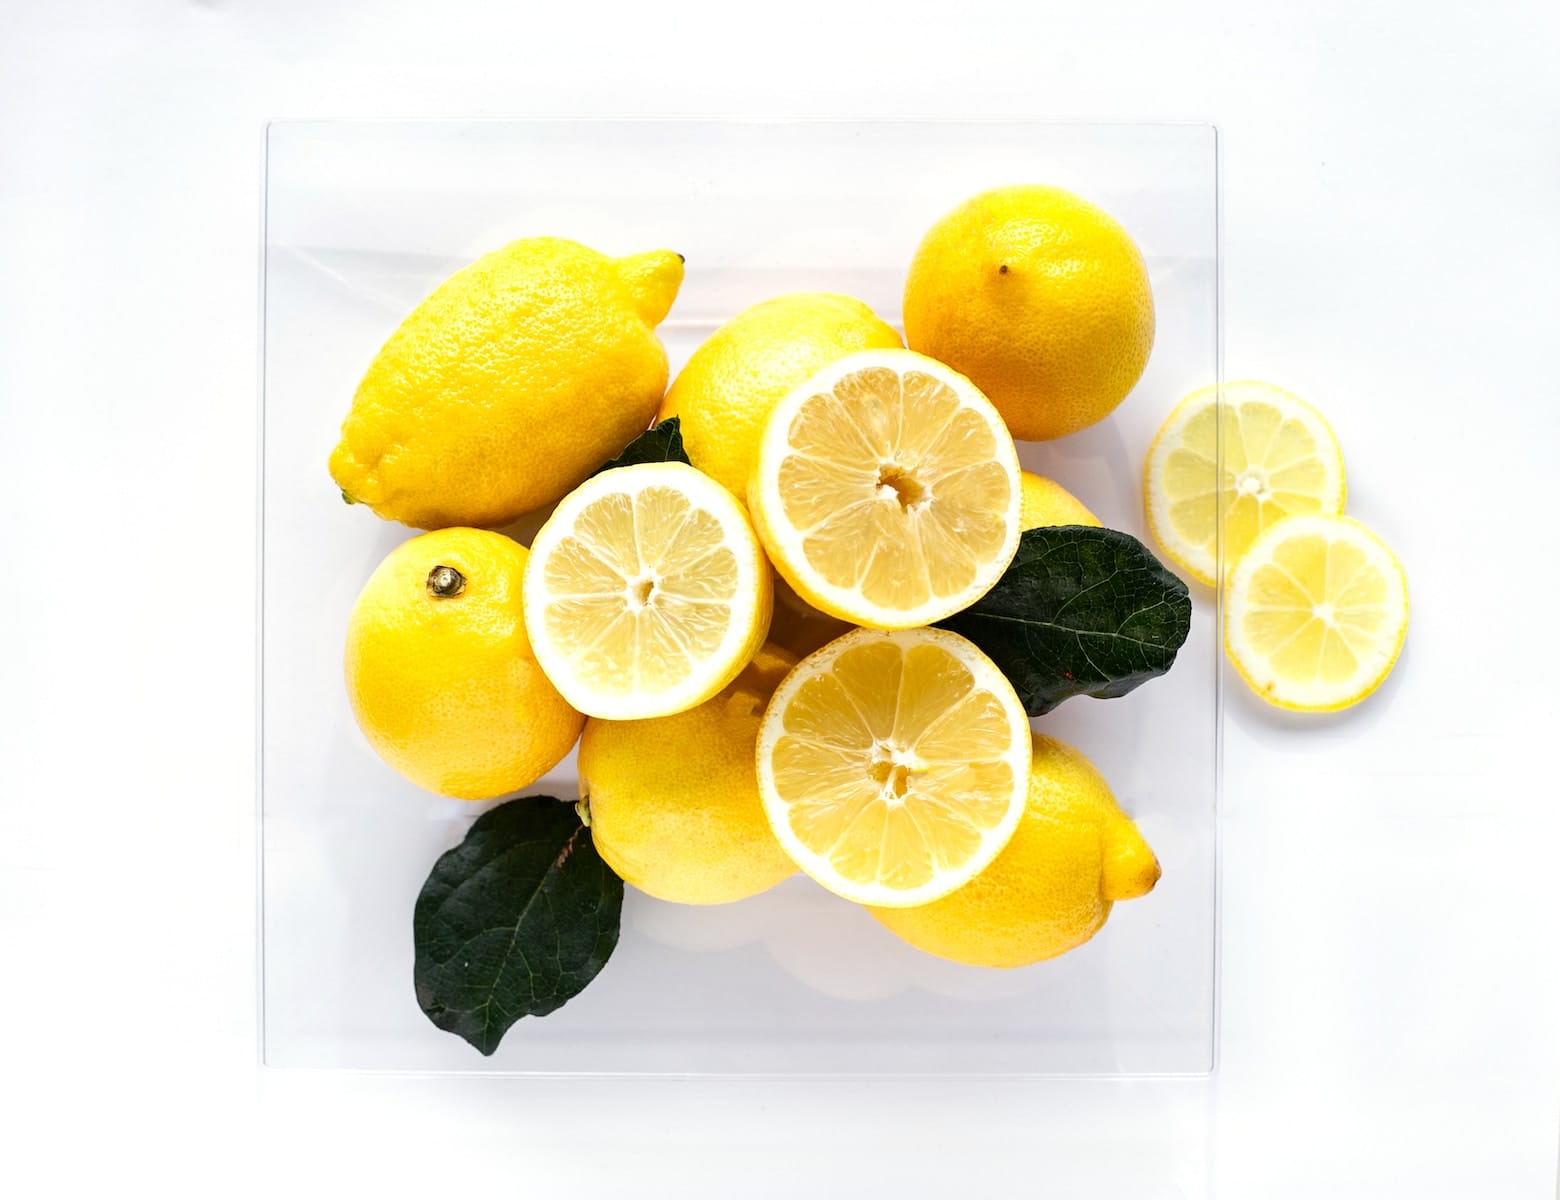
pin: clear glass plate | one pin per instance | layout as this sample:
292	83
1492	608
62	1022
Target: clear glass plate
362	220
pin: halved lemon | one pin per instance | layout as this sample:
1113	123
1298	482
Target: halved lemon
886	490
1280	459
1315	613
646	592
894	764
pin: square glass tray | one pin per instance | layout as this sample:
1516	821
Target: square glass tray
364	219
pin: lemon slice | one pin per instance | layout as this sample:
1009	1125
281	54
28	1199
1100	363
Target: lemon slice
894	765
646	592
886	490
1280	459
1315	613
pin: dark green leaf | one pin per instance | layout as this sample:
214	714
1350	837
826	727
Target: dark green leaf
661	444
514	921
1079	612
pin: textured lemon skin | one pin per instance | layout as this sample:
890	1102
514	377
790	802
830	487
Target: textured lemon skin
1073	855
446	690
1043	501
733	381
519	376
1041	298
674	803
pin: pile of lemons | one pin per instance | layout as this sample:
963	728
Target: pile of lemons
742	648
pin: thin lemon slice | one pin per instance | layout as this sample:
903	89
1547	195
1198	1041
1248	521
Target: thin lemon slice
1315	613
886	490
1280	459
894	764
646	592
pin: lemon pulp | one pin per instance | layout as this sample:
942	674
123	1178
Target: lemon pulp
1316	613
887	490
651	593
1280	459
894	764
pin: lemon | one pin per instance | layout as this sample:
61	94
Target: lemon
441	674
519	376
733	381
646	592
1073	855
1280	458
886	490
1043	501
673	801
798	626
1041	298
1315	613
894	764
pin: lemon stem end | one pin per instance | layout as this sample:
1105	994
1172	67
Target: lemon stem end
444	583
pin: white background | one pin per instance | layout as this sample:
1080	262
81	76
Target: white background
1391	984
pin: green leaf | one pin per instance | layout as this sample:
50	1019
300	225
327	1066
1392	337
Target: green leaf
514	921
661	444
1079	612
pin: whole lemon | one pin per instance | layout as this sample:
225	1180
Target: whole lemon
798	626
1045	502
519	376
733	381
440	671
673	801
1074	854
1039	297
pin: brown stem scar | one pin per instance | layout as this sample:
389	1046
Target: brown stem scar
445	582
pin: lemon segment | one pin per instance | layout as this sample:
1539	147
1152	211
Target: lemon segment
894	764
1315	613
887	490
646	592
1280	459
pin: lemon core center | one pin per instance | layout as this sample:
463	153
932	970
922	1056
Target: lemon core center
896	483
891	772
641	591
1253	482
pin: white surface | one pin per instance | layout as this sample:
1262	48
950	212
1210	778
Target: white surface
362	221
1391	1021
